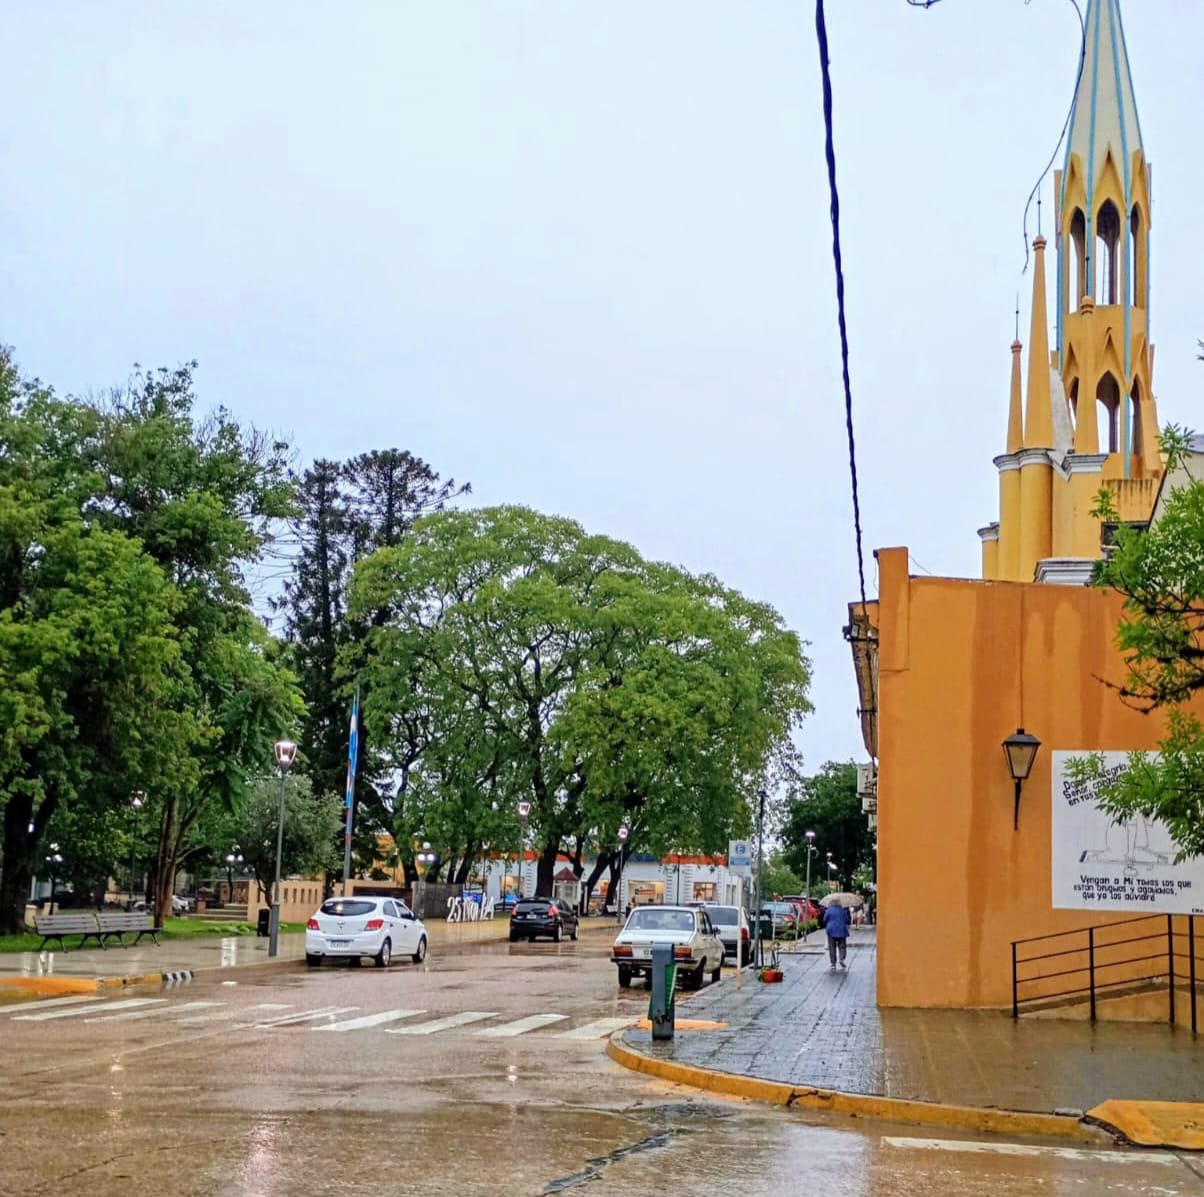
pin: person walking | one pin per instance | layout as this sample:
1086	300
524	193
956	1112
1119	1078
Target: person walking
836	927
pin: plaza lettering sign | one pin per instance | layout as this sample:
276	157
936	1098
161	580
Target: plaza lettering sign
466	910
1102	864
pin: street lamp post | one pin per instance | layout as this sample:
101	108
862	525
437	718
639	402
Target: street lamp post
52	863
233	857
524	812
757	949
286	753
810	853
624	832
137	801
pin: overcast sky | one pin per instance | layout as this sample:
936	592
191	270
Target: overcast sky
579	253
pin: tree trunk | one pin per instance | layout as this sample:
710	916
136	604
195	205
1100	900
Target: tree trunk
461	877
20	850
546	872
600	867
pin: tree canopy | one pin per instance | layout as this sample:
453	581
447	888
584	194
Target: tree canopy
1160	573
515	657
827	803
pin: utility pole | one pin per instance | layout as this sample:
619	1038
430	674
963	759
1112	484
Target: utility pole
760	865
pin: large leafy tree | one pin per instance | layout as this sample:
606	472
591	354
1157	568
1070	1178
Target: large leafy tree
347	510
513	657
203	496
310	824
1160	573
827	803
92	664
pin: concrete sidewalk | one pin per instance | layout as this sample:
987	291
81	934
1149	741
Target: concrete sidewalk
822	1030
172	959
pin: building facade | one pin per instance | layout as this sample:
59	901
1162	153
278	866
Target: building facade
948	668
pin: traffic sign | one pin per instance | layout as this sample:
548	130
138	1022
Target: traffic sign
739	857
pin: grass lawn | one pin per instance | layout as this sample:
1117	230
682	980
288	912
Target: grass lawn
173	929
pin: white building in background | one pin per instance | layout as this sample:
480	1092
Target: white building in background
646	880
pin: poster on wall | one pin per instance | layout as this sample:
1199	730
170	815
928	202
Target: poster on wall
1102	864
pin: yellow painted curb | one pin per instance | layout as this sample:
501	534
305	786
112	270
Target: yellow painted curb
50	986
686	1024
1155	1123
894	1109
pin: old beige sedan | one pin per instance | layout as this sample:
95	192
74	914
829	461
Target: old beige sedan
697	948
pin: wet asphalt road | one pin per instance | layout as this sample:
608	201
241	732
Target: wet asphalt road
477	1073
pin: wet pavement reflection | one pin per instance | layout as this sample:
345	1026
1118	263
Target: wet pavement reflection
500	1086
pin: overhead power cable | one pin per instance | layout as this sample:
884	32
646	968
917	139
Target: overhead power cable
821	32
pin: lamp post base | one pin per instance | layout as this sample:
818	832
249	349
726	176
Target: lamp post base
273	929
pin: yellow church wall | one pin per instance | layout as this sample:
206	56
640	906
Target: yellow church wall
963	664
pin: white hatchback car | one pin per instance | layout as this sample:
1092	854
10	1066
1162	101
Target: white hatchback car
361	926
697	948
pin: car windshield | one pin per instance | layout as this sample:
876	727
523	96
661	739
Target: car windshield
651	919
722	916
347	907
533	904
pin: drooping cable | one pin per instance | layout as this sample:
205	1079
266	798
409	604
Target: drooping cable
821	32
1061	136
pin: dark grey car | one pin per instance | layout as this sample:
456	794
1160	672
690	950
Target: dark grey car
726	921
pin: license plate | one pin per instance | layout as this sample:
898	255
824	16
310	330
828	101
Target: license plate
643	953
339	943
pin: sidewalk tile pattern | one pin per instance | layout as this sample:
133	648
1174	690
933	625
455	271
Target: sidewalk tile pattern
823	1029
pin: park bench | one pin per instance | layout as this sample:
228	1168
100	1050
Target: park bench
118	924
55	926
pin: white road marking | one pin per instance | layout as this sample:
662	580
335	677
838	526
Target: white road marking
42	1003
1023	1149
595	1030
223	1015
174	1008
444	1024
370	1020
521	1026
305	1016
127	1003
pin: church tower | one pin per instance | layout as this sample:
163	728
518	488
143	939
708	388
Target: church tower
1090	420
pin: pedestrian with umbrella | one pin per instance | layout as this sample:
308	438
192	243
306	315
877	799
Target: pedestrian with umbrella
836	920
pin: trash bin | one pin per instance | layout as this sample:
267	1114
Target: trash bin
263	927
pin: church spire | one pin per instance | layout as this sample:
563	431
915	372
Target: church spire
1015	404
1038	418
1104	119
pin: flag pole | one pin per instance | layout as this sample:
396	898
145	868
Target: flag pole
353	744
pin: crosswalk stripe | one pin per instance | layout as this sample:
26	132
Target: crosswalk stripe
224	1015
42	1003
127	1003
444	1024
1027	1149
369	1020
595	1030
306	1016
171	1009
521	1026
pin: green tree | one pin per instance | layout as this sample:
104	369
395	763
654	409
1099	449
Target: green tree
204	498
1160	573
513	657
347	511
777	877
310	826
91	659
827	803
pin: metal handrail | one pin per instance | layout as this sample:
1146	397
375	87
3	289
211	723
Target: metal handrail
1094	948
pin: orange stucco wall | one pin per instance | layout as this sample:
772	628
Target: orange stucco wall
962	664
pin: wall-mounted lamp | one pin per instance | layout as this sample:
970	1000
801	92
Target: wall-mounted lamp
1020	750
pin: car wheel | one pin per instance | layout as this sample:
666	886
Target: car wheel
420	955
624	977
312	959
513	937
694	980
556	934
576	932
718	971
385	954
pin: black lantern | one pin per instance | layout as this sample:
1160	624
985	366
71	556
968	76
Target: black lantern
1020	750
